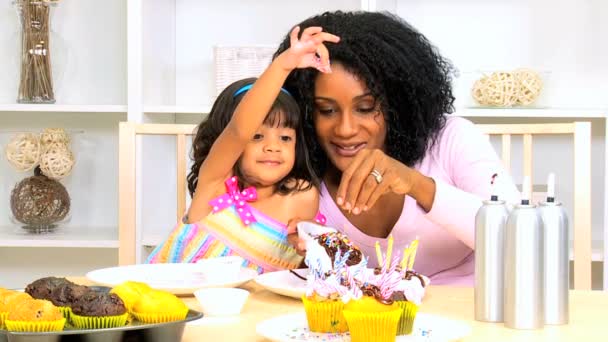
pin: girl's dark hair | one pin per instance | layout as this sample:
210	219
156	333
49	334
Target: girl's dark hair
402	70
284	113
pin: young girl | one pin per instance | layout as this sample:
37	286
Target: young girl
251	173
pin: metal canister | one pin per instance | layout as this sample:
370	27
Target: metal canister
490	224
554	223
524	276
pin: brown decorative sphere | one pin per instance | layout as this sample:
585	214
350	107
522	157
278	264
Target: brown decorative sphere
39	201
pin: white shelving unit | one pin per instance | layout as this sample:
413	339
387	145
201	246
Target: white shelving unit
152	61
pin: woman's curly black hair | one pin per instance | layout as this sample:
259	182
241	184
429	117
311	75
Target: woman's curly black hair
284	113
401	69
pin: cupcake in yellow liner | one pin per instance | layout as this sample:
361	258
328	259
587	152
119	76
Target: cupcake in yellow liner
408	295
95	310
329	286
370	320
35	315
8	300
130	291
158	306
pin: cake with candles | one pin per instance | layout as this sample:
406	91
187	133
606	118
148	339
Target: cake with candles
337	243
410	290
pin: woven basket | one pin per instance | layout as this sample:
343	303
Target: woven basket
233	63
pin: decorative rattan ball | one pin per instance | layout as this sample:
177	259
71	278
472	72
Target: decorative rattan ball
57	163
530	85
54	138
39	201
478	91
501	89
23	151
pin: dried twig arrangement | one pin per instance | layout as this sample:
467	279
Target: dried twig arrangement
36	84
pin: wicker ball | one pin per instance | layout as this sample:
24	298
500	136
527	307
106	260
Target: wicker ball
23	151
501	89
530	85
478	91
54	138
39	201
57	163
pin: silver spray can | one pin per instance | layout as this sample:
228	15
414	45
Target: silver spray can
489	259
524	277
554	223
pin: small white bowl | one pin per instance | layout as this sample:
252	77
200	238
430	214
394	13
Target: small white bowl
221	269
221	301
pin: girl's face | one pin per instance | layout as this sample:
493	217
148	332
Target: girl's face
347	117
269	156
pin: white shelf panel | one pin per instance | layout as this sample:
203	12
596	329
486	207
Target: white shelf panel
75	237
153	240
201	109
532	112
18	107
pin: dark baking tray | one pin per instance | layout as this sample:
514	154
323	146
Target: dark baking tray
134	332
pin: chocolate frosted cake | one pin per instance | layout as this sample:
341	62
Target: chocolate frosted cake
334	242
68	294
42	288
99	304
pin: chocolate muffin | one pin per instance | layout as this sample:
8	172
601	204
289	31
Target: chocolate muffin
99	304
334	241
68	294
42	288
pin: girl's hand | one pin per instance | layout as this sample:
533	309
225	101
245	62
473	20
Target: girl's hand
293	238
373	174
309	50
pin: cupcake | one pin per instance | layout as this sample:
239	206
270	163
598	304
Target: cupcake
65	295
34	315
157	306
337	243
8	300
130	291
42	288
328	291
374	317
95	310
408	295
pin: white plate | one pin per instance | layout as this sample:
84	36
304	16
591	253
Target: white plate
175	278
427	327
284	282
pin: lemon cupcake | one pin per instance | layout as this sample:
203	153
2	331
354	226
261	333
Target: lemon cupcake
8	300
34	315
408	295
130	291
157	306
95	310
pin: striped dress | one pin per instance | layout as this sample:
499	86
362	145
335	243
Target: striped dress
233	229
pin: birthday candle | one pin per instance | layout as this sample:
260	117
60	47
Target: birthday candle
406	256
378	254
389	251
414	247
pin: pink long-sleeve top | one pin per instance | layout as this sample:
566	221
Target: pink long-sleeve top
461	163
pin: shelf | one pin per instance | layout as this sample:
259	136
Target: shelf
532	112
597	251
75	237
202	109
59	108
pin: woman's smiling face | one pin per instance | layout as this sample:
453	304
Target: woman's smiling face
347	117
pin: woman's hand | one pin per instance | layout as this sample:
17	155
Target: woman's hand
309	50
373	174
293	238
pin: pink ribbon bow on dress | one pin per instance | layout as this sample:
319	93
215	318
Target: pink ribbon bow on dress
239	198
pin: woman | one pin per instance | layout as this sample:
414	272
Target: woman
390	160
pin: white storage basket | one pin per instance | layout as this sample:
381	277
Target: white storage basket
233	63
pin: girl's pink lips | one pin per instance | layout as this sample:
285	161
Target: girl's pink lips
270	162
349	150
